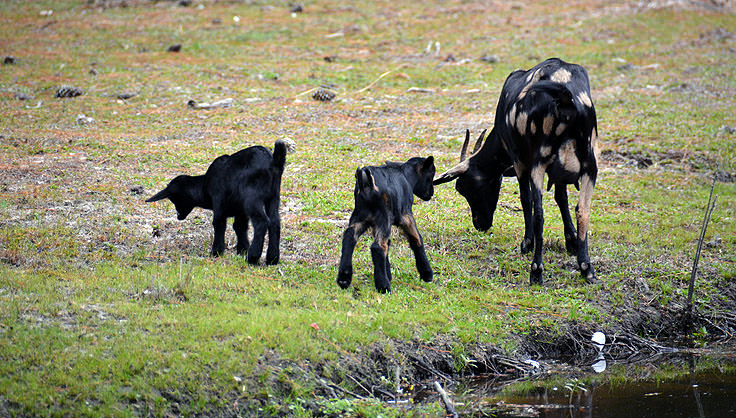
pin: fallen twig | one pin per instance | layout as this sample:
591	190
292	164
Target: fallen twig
374	82
445	400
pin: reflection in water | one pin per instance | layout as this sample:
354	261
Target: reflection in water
709	392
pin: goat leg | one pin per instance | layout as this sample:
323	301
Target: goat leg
378	255
260	225
417	246
274	235
582	212
240	225
525	195
349	239
537	177
219	223
571	242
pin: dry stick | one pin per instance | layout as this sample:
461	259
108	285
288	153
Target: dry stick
706	219
374	82
445	400
397	383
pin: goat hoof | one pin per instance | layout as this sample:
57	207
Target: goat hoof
344	278
571	246
427	276
527	245
535	275
382	289
216	253
272	261
588	273
253	260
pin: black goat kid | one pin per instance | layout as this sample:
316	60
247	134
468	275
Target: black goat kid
245	185
383	197
545	123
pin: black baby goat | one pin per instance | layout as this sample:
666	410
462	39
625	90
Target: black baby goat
245	185
383	197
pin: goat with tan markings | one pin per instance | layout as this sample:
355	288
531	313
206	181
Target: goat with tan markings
545	123
383	197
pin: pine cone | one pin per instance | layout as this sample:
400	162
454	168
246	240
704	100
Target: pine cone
323	95
68	91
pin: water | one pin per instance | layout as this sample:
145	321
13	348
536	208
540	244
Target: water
680	386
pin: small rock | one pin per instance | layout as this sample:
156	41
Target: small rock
185	3
9	60
23	96
450	58
491	59
93	71
156	231
68	91
136	190
204	105
625	67
174	48
127	95
216	21
330	58
419	90
84	120
296	8
727	129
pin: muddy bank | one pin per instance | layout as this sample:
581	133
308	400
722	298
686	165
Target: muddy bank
401	373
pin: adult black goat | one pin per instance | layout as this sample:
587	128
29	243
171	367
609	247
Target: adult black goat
245	185
545	123
383	197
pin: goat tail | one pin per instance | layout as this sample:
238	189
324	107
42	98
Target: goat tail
364	180
279	155
559	92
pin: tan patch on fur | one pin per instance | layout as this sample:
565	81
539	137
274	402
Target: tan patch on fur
585	99
583	210
512	116
560	129
358	229
521	122
524	90
410	229
534	77
561	76
538	176
533	128
545	151
386	199
547	123
594	143
519	168
567	157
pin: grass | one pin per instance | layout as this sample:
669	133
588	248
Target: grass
100	318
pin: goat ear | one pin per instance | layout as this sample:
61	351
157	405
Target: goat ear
428	163
163	194
452	173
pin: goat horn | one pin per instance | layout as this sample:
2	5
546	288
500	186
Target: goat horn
452	173
479	142
465	145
